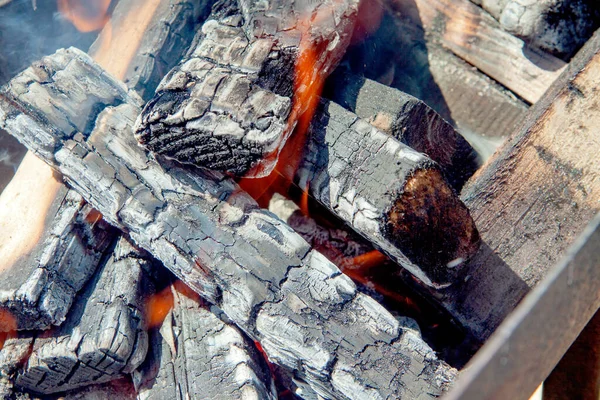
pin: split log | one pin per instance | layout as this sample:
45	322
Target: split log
228	107
475	36
250	264
194	355
558	26
38	289
407	119
33	201
533	198
104	335
392	195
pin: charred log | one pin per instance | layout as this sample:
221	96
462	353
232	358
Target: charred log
228	107
250	264
390	194
194	355
103	337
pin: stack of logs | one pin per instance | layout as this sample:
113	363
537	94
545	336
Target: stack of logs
252	304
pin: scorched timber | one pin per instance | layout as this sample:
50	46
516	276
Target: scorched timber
392	195
409	120
38	289
228	107
250	264
195	355
104	335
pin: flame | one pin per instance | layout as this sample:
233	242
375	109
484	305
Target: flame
85	15
364	261
158	306
8	326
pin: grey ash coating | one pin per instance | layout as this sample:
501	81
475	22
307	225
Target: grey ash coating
229	104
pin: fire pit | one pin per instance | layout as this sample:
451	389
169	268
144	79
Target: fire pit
150	241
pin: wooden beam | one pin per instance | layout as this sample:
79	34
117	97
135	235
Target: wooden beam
528	345
241	258
475	36
533	198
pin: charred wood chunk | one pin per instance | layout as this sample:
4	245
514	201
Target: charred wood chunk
104	335
14	352
409	120
38	289
392	195
194	355
558	26
241	258
228	106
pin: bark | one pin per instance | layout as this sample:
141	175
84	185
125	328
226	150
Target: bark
409	120
228	106
194	354
38	290
392	195
241	258
104	335
558	26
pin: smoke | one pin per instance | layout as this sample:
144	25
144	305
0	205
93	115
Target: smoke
28	33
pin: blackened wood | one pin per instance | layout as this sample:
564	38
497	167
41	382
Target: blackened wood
392	195
250	264
533	198
528	345
38	289
104	336
558	26
407	119
228	107
194	355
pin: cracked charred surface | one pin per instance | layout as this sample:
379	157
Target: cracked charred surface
104	335
389	193
229	106
38	289
309	317
194	355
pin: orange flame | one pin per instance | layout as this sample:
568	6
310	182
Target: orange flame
158	306
8	326
85	15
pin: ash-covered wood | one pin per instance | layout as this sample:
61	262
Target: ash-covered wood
38	289
228	106
13	354
103	337
167	37
195	355
390	194
250	264
558	26
409	120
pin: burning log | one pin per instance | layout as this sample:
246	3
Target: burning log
104	335
38	294
38	289
241	258
196	355
228	107
387	192
409	120
558	26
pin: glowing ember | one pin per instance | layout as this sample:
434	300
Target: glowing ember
86	15
8	326
158	306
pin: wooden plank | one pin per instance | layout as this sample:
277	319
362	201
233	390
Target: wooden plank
194	354
475	36
241	258
560	27
528	345
533	198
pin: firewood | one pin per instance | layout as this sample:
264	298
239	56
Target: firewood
558	26
407	119
104	335
533	198
13	354
194	355
244	260
28	207
38	289
228	107
387	192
